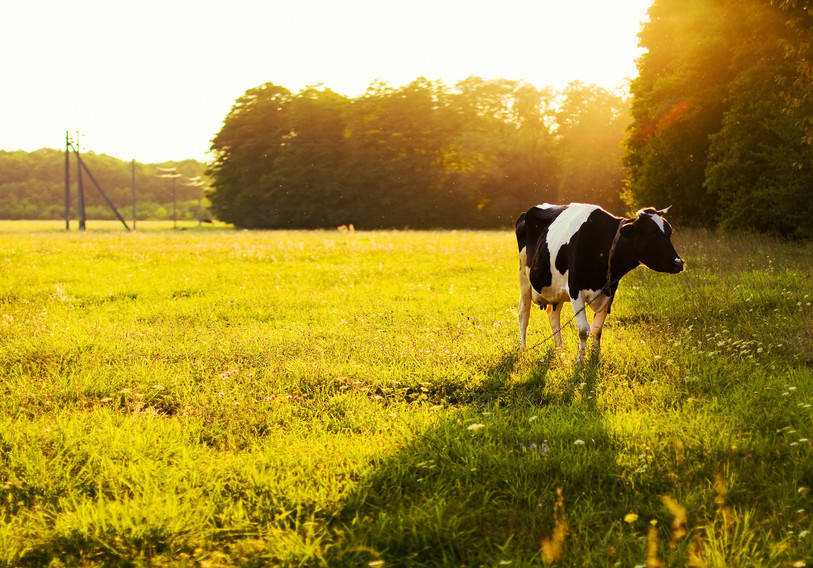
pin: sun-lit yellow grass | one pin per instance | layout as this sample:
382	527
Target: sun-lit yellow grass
222	397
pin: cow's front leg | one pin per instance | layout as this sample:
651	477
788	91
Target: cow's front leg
584	326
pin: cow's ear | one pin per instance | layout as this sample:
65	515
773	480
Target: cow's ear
628	229
664	211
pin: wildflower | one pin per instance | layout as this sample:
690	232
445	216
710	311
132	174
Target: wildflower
630	518
578	443
532	418
475	426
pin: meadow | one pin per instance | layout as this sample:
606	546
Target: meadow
213	397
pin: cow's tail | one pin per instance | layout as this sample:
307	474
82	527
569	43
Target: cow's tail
521	231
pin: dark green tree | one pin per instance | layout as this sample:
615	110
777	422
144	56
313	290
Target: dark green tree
678	102
722	114
398	139
760	165
245	150
305	185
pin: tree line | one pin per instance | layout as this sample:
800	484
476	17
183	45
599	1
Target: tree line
421	155
723	114
32	186
719	124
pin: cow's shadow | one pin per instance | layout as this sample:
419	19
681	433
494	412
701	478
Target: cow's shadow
500	385
522	378
487	471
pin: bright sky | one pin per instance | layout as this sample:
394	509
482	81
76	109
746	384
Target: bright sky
153	80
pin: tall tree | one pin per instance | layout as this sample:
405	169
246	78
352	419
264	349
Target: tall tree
398	136
591	125
503	157
678	102
722	114
245	150
760	165
305	184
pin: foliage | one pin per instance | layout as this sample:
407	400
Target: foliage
721	114
590	122
420	155
761	162
222	398
32	186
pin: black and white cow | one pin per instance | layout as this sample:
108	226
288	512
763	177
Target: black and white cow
563	257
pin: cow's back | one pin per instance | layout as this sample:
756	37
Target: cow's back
532	226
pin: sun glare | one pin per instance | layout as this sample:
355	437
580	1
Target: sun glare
155	82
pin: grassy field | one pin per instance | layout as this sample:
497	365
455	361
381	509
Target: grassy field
217	397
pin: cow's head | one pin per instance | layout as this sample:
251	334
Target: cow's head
651	237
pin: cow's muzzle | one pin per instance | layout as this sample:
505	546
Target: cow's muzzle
677	265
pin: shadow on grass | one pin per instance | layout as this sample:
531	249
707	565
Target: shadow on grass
500	388
480	486
521	379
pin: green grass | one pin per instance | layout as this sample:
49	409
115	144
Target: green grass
213	397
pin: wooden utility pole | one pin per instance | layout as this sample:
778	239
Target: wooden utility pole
99	189
173	174
67	182
132	184
174	205
81	192
197	183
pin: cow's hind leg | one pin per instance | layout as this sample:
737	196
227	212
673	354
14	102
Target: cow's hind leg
555	319
579	310
524	304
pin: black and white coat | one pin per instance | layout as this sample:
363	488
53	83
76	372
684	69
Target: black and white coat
563	257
